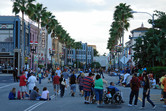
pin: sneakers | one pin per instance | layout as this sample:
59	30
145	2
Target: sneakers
129	105
154	107
141	108
164	106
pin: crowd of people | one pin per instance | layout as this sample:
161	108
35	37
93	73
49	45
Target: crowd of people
90	86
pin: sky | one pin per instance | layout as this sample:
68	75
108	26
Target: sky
89	20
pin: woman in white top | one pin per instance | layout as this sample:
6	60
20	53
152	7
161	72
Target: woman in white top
45	94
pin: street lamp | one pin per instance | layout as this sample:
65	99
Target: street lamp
152	15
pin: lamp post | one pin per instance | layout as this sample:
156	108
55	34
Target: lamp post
152	15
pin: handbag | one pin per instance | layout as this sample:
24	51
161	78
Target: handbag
63	82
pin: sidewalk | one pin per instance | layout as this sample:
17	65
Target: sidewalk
6	74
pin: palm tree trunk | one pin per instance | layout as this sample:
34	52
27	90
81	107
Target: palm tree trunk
46	50
37	47
58	51
22	41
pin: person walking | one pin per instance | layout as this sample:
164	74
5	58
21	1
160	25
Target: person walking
87	86
101	72
134	85
146	91
62	85
15	75
73	83
98	89
162	87
81	83
56	83
58	71
40	77
31	82
66	76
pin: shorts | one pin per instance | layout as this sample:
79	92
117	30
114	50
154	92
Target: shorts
56	86
80	88
164	95
23	88
73	87
86	93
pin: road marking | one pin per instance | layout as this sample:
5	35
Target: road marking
38	104
8	85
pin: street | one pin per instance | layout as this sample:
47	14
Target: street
68	103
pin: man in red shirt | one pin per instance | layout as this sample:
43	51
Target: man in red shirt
56	83
23	85
134	84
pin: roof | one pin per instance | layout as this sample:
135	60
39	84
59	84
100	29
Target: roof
8	18
140	29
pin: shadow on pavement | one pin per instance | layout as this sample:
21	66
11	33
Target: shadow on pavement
110	106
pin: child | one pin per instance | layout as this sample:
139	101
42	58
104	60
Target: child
12	94
45	94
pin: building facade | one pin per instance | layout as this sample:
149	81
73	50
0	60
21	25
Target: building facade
136	33
10	37
84	56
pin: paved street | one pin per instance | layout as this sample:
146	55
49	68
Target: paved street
68	103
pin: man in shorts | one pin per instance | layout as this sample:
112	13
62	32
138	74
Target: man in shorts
164	91
87	86
22	85
56	83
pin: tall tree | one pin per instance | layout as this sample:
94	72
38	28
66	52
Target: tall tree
150	50
25	7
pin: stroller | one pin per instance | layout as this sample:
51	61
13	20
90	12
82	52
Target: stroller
113	97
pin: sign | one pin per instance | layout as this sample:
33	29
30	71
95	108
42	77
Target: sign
6	26
43	36
124	60
36	59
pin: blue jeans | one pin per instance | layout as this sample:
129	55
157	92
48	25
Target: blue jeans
98	94
148	98
86	93
39	80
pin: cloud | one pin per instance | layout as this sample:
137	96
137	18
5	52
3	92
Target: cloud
89	20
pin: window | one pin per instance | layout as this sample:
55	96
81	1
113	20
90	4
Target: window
3	50
6	35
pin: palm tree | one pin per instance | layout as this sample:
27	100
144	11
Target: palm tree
122	15
25	7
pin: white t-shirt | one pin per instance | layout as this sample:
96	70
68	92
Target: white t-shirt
58	72
125	77
26	72
153	82
44	94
